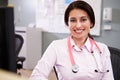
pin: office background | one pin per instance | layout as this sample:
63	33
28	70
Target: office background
25	15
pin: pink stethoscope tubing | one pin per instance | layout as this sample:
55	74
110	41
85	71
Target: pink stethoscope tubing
91	50
70	49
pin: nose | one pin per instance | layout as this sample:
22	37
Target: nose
78	24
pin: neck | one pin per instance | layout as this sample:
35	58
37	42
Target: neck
79	41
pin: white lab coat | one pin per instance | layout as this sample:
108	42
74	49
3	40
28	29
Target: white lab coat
57	55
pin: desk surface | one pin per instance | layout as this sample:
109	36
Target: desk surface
4	75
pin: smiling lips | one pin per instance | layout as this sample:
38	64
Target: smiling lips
79	30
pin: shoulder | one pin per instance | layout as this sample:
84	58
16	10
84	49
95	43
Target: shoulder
58	43
101	44
103	47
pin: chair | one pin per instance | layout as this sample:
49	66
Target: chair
56	73
115	59
18	45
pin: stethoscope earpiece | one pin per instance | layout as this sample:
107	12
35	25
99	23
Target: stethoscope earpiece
101	71
100	52
107	70
92	52
96	70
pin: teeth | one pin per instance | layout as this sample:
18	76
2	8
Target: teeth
79	30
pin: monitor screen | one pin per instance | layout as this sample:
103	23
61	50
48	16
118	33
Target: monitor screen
7	39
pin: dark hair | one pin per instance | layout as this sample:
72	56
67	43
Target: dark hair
80	5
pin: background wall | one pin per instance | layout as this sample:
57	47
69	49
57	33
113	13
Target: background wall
111	37
25	14
24	11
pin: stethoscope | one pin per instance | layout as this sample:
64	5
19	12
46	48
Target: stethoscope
75	67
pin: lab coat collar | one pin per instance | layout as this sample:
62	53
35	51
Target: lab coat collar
87	45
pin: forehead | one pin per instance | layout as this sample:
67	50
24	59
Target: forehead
77	13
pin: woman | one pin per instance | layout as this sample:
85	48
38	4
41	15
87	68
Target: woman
77	57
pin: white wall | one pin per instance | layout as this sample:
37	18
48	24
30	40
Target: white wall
32	47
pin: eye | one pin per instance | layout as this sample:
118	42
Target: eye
84	19
72	20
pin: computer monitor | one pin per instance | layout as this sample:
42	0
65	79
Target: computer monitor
7	39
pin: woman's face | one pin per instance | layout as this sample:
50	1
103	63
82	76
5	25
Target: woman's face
79	23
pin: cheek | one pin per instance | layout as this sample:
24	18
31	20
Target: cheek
71	29
89	25
69	26
88	28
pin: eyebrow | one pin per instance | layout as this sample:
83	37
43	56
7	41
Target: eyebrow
80	17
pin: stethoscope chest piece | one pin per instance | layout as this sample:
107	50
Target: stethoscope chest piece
75	68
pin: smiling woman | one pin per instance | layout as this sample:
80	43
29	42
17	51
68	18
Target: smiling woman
77	57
